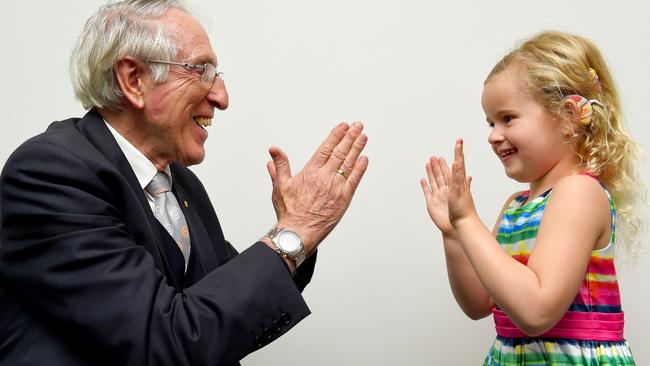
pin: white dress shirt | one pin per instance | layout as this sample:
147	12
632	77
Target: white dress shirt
142	167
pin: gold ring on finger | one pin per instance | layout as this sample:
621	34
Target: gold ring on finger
340	171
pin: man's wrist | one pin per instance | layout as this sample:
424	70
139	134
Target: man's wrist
306	236
291	264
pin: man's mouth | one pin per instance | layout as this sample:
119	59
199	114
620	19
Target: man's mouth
203	121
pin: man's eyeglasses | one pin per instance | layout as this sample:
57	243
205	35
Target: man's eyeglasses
208	71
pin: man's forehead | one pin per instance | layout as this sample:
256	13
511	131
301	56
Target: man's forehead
189	36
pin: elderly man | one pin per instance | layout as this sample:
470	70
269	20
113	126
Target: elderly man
111	252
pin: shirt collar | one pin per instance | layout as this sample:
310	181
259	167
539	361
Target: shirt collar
142	167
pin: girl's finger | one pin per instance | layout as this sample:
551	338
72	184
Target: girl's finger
446	172
430	177
438	173
458	169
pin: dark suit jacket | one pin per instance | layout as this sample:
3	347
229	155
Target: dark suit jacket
89	277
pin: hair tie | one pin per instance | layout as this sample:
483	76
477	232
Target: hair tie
593	76
586	107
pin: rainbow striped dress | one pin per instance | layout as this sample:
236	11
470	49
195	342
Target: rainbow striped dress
590	332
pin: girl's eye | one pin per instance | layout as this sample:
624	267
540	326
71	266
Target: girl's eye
507	119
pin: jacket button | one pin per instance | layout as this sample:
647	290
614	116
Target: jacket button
258	342
285	319
267	334
277	327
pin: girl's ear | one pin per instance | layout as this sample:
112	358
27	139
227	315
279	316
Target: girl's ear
572	110
571	115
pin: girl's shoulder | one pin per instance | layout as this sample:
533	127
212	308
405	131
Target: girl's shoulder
578	186
581	192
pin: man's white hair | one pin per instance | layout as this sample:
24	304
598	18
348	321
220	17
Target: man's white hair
118	29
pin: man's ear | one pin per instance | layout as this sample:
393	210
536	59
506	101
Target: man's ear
129	73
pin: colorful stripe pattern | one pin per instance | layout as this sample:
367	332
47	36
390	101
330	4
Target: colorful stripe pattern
599	293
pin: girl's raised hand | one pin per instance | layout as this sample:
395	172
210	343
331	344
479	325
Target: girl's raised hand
436	193
460	203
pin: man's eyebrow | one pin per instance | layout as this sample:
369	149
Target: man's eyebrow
205	60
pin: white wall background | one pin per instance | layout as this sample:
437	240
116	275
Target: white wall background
412	70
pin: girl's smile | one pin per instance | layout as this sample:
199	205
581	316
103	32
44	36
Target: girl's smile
526	137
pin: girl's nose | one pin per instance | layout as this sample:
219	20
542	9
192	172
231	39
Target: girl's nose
496	135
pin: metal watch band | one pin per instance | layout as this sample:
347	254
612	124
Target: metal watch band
297	257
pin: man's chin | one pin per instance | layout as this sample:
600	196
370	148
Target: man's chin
192	160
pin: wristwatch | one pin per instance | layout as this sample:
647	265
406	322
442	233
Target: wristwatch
288	244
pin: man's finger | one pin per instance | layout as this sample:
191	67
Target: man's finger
357	173
281	164
325	149
344	148
353	155
271	168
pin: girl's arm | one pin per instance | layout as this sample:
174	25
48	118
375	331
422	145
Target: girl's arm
576	219
465	285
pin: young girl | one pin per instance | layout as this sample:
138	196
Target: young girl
548	278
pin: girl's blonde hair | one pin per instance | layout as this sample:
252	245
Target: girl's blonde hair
558	64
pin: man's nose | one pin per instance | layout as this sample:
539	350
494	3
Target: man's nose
218	95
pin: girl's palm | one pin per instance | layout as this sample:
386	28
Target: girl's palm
436	192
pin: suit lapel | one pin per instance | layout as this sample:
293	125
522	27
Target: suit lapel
93	127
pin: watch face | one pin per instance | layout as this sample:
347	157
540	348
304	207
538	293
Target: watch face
288	241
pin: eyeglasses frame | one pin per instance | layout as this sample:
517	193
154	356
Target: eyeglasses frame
203	68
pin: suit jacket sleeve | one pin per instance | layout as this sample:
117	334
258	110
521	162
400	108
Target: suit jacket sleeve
68	252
